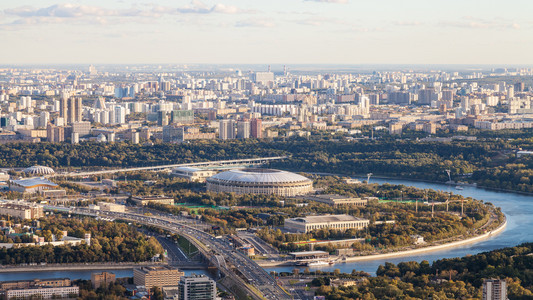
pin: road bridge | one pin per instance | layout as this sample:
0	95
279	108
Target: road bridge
254	281
219	164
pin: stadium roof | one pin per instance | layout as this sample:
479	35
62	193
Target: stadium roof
33	182
259	176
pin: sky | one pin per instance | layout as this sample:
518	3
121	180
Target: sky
266	31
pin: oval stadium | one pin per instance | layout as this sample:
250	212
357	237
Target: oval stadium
260	181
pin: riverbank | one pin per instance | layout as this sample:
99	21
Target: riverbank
362	176
93	266
268	264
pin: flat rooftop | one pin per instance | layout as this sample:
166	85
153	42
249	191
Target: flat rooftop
327	219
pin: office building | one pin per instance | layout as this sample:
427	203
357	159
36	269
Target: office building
156	276
226	130
494	289
197	287
102	279
256	128
338	222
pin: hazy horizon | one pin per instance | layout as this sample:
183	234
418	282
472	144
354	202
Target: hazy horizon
348	32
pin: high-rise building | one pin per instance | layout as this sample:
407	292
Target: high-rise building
44	118
120	115
243	130
519	87
55	134
399	98
256	128
81	128
494	289
70	109
226	129
426	96
196	288
263	77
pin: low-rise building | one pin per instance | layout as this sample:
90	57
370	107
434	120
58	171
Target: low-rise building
102	279
23	284
193	174
338	222
113	207
31	185
44	292
21	209
337	200
140	200
309	255
156	276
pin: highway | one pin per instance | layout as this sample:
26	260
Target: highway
241	269
219	164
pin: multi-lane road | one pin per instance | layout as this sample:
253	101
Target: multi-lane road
241	269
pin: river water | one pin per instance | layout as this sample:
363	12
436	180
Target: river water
77	274
518	209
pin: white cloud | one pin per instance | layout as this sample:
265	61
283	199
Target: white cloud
329	1
478	23
255	23
408	23
198	7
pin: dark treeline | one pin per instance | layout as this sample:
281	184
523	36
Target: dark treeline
486	162
458	278
110	242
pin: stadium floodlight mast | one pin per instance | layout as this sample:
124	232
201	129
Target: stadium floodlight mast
368	178
449	176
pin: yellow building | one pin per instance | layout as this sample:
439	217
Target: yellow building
157	199
156	276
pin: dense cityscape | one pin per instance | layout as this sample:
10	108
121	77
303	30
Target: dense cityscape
151	151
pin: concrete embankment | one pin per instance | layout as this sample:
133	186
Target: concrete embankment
475	239
97	266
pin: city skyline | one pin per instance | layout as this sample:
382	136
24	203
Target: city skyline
280	32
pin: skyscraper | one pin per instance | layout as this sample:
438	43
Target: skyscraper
196	288
256	128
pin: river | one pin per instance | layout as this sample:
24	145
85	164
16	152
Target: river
518	209
77	274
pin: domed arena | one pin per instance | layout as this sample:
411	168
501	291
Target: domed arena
260	181
39	171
